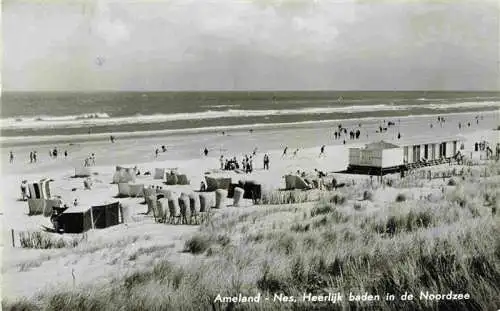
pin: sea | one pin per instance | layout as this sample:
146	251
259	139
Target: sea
70	113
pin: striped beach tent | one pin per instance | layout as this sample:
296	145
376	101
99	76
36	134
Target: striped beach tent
40	190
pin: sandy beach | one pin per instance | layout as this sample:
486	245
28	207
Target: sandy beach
184	152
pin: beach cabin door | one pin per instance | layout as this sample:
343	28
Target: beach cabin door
416	153
433	152
426	152
442	150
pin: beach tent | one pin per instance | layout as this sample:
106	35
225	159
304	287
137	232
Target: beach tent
40	190
289	182
79	219
252	190
130	190
217	183
301	184
171	179
107	215
123	189
124	175
159	173
135	190
83	171
182	179
296	182
42	206
74	220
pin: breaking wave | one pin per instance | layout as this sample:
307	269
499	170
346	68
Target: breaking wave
102	119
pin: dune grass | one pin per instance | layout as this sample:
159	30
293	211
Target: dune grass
327	246
42	240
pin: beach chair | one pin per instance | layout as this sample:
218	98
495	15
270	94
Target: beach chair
182	179
151	202
238	195
36	206
220	198
123	189
174	211
184	207
136	190
205	206
171	179
162	208
194	205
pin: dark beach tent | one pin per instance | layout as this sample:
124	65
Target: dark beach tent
78	219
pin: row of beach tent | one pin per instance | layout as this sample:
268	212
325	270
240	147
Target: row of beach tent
170	176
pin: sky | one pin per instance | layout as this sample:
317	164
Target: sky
72	45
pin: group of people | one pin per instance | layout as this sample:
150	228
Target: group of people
355	134
247	165
89	161
469	123
33	156
157	151
54	152
232	164
286	150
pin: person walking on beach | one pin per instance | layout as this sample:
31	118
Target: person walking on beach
31	156
322	151
24	190
156	153
295	153
284	151
266	162
205	151
92	158
11	157
34	156
65	154
221	160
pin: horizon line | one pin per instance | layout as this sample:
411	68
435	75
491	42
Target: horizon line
244	91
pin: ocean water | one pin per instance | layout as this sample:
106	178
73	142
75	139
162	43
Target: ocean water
66	113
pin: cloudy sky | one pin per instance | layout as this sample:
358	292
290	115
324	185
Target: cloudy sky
251	44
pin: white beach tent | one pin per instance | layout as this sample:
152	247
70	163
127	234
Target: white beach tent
159	173
124	175
40	189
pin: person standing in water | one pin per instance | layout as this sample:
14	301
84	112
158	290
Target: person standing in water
11	157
